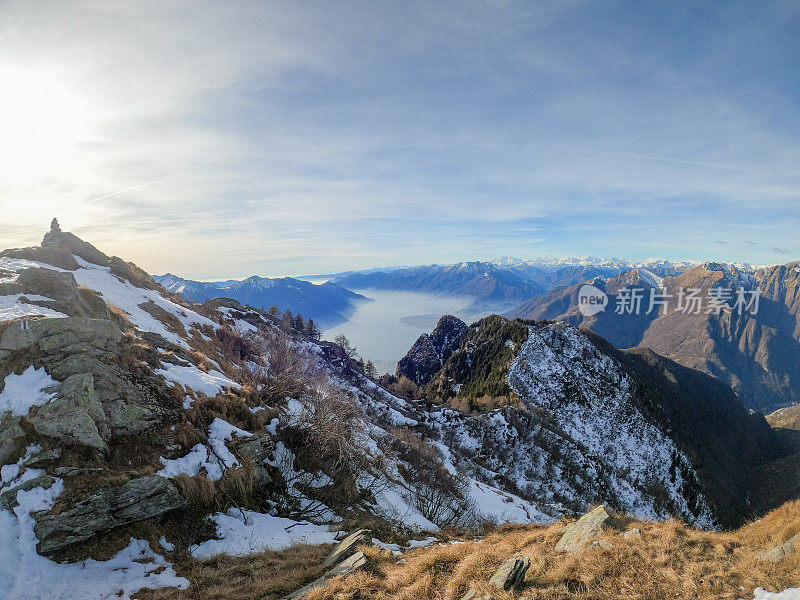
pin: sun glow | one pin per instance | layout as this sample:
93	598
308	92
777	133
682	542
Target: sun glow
42	126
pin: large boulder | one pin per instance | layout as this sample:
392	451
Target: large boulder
139	499
580	534
511	573
62	336
57	285
347	547
74	416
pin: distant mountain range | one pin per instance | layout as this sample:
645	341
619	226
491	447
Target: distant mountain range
758	354
328	304
503	282
488	284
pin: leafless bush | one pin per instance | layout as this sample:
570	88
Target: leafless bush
439	494
327	465
282	369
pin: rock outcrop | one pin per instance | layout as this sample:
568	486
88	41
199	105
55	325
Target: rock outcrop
139	499
347	547
580	534
74	416
430	351
778	553
511	573
357	562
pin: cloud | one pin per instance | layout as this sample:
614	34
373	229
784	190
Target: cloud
782	251
293	137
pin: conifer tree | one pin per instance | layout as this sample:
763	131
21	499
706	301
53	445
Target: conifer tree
288	321
369	369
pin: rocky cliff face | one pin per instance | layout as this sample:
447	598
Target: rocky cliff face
430	351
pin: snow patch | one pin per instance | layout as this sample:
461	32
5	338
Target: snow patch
189	376
245	532
22	392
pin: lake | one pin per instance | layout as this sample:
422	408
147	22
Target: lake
385	330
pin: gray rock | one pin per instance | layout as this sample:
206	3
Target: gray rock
632	534
11	436
62	335
602	544
57	285
131	400
57	257
139	499
43	457
74	245
258	449
347	547
357	562
75	471
778	553
8	499
580	534
73	416
511	573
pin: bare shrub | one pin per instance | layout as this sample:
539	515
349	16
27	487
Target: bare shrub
439	494
280	368
327	464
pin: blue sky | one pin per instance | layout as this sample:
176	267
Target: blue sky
294	138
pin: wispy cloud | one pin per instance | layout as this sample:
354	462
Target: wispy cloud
311	137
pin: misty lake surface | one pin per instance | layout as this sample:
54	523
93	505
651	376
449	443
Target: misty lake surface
384	330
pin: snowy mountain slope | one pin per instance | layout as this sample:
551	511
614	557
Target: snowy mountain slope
593	424
122	404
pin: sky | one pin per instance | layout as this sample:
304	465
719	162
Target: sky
225	139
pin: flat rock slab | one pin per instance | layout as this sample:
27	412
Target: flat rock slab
139	499
511	573
778	553
580	534
357	562
347	547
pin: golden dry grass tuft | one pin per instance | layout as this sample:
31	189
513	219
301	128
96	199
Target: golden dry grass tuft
263	576
669	560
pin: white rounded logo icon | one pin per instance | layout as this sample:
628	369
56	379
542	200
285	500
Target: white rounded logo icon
591	300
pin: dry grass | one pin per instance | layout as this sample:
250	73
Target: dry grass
264	576
670	560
